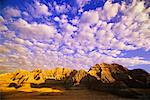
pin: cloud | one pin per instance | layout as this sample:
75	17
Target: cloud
2	26
57	19
110	9
41	9
1	19
81	3
63	19
14	55
3	49
132	28
12	12
90	17
62	8
7	34
77	42
75	21
23	42
69	28
25	13
33	30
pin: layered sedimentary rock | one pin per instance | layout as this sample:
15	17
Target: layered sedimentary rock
100	75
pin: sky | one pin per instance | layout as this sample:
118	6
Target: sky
74	33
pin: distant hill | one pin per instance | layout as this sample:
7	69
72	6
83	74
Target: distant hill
107	77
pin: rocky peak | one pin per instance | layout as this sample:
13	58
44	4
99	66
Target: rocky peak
102	72
58	73
140	75
108	73
37	70
118	68
79	76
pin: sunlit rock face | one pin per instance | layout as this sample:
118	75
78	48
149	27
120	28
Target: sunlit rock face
79	76
108	73
5	79
99	76
58	73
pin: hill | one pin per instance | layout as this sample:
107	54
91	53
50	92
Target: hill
112	78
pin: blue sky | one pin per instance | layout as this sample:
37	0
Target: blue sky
74	33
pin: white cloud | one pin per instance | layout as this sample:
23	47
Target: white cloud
138	8
113	53
2	26
57	19
12	12
23	42
75	21
69	28
33	30
3	49
25	13
1	19
131	61
8	34
82	41
41	9
15	55
81	3
63	19
67	51
28	43
90	17
110	9
41	45
19	40
61	8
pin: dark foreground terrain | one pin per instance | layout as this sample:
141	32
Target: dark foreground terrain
67	95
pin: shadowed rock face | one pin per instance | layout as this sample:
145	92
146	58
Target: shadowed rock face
140	75
109	73
14	85
100	76
79	76
104	73
50	83
117	76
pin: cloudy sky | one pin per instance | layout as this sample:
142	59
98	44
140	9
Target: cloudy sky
74	33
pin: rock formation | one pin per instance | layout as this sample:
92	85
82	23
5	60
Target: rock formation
98	77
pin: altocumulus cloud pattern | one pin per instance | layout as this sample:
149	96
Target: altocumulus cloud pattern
74	33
